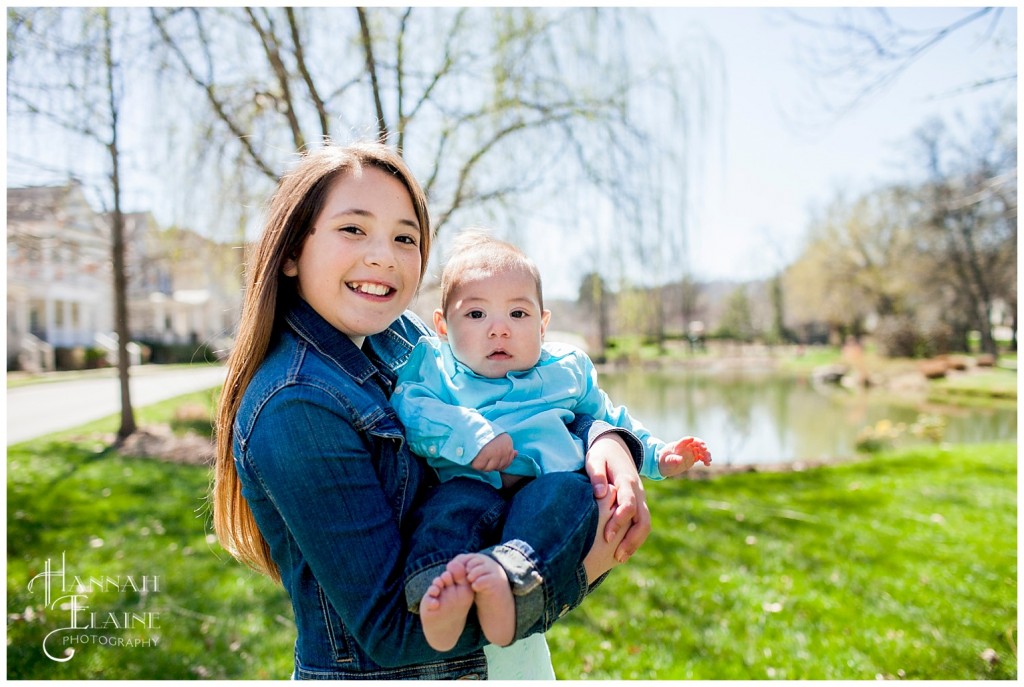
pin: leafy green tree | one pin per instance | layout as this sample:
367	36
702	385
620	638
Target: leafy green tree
595	298
858	262
737	320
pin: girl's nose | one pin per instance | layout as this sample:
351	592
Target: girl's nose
381	254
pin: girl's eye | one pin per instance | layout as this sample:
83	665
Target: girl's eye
475	315
349	229
408	240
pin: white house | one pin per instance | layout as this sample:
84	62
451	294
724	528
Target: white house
182	287
59	290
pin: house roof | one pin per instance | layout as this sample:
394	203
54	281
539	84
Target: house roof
36	203
50	210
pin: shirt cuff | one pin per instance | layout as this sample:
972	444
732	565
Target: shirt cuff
598	428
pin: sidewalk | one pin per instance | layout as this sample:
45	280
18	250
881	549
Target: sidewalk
63	400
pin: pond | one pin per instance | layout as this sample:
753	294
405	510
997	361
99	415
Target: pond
766	418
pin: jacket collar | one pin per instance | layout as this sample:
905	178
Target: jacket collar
381	354
328	341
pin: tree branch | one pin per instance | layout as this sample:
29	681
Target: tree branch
270	47
371	68
211	96
300	61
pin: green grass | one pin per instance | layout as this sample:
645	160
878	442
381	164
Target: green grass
994	383
902	565
903	562
120	516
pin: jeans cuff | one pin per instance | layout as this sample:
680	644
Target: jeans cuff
518	560
417	583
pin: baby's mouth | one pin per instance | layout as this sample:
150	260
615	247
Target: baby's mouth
499	354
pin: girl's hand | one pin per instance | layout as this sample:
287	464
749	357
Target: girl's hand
609	462
601	557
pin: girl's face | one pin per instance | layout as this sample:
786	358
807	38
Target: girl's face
360	266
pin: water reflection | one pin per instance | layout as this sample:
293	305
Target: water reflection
758	418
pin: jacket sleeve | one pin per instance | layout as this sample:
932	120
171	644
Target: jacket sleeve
332	503
437	427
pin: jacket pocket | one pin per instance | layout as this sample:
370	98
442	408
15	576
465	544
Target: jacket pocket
340	641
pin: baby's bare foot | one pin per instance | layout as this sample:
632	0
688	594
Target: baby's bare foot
445	605
493	595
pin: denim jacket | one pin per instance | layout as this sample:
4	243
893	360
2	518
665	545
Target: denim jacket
331	483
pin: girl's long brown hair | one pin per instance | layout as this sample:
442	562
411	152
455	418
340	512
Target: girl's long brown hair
296	203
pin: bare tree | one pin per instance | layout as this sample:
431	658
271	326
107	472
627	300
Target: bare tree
488	105
930	258
969	206
66	66
855	53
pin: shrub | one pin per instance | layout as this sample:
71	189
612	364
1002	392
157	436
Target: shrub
897	337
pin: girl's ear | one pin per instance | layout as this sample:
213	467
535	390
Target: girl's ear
291	267
440	326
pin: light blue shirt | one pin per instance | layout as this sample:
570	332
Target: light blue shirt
450	412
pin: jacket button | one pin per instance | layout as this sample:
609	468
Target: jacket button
433	450
458	451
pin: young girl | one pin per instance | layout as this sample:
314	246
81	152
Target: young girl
314	484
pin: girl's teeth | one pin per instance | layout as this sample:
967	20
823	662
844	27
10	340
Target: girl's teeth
372	289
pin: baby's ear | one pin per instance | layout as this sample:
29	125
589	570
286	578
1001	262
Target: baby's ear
440	326
545	317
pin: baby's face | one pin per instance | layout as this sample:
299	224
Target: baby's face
494	323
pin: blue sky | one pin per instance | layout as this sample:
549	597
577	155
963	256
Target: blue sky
771	173
763	174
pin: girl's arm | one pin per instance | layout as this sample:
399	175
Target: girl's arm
614	456
609	462
331	500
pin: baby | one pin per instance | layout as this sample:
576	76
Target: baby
489	401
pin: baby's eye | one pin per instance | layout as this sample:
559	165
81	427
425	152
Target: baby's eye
475	314
519	314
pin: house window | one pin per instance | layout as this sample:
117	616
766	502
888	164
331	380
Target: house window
34	321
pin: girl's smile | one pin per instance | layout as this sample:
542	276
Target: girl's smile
360	266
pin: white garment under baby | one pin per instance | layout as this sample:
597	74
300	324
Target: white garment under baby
527	659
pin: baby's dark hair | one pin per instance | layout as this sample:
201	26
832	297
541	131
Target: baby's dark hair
475	254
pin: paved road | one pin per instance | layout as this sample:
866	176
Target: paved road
39	409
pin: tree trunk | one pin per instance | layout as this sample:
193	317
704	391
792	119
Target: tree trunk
117	245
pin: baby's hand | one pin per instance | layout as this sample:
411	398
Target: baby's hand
497	454
680	457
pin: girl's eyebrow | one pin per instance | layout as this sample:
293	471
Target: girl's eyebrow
366	213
